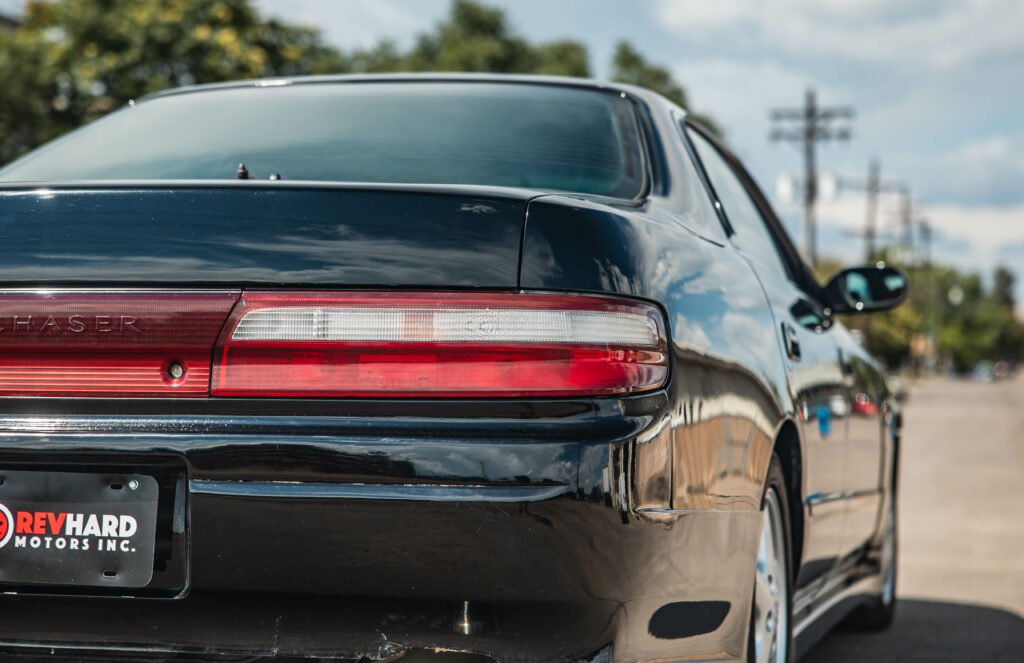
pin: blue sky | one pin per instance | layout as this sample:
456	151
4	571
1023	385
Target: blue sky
938	86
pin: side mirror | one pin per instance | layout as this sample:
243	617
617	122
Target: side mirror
866	289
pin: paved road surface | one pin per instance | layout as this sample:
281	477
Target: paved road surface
961	582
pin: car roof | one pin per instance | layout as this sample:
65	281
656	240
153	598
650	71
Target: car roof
516	79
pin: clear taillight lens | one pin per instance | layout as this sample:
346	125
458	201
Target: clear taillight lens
386	344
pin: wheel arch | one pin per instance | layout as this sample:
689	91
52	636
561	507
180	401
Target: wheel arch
787	447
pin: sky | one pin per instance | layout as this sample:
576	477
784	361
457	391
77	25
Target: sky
937	85
938	88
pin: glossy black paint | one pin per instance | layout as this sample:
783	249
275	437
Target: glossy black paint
259	233
654	509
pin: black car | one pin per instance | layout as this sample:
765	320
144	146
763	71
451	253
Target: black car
465	367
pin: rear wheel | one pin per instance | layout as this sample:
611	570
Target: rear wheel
770	633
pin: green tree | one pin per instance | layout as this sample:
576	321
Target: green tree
27	114
475	38
74	60
629	66
889	335
1002	288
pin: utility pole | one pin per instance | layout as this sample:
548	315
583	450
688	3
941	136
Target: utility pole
906	215
925	230
907	221
870	223
874	185
814	124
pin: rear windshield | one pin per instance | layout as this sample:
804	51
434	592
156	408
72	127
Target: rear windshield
520	135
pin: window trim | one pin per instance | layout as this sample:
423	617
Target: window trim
682	123
650	166
797	270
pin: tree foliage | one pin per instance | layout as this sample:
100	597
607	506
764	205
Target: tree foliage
1002	287
474	38
72	61
478	38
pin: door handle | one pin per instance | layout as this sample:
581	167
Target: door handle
792	344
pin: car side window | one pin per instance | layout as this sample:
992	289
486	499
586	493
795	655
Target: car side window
752	235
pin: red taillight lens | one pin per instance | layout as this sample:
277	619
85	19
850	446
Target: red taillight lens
129	343
453	344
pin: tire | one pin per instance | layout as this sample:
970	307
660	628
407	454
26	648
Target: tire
770	638
878	613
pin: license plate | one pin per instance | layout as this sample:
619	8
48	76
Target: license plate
69	528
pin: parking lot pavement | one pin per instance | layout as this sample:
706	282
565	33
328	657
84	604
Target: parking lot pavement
961	582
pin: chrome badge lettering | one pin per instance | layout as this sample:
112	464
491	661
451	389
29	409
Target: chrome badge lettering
71	324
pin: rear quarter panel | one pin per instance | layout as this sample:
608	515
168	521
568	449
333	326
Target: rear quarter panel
727	383
703	458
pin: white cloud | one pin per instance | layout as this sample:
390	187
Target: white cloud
986	228
971	238
720	81
687	332
909	32
982	169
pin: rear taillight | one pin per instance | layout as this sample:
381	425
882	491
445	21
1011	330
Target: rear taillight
453	344
114	343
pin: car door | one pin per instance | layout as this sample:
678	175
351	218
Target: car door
865	448
812	358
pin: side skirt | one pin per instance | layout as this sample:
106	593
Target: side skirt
816	615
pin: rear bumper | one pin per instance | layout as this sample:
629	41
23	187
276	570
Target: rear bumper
360	536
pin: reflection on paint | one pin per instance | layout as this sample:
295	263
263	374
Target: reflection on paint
824	420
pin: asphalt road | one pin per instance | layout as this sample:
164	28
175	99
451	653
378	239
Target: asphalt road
961	570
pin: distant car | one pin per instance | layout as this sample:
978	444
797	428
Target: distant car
984	371
361	367
839	405
864	405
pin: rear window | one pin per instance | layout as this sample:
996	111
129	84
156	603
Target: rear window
521	135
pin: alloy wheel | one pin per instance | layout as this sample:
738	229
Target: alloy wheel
771	587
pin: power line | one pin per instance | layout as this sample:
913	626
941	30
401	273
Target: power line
814	124
874	185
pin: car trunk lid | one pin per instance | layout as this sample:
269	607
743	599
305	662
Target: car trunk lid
122	290
262	233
